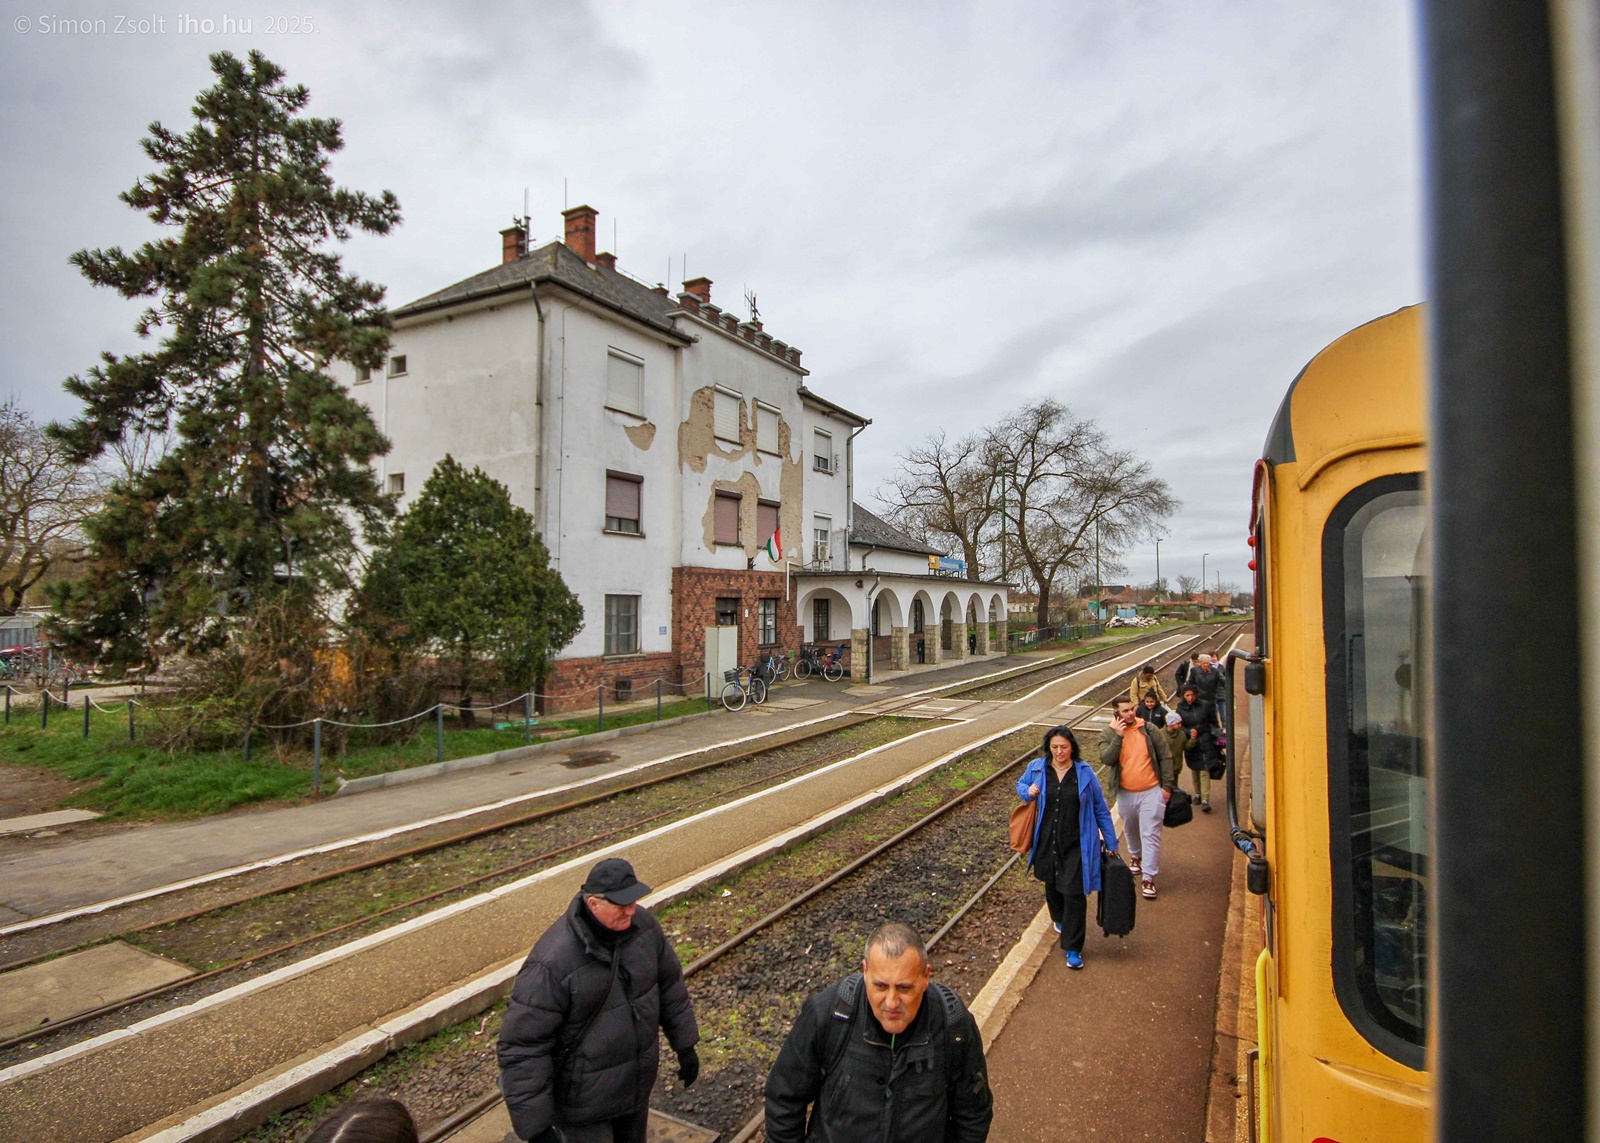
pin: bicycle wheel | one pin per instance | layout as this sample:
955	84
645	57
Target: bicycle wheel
733	696
802	669
833	671
758	691
781	671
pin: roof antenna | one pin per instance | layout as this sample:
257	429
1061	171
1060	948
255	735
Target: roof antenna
563	194
614	234
527	219
750	300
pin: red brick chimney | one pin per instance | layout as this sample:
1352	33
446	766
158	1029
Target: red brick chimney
606	261
700	288
580	231
513	244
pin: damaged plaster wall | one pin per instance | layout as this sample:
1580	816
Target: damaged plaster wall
642	436
698	443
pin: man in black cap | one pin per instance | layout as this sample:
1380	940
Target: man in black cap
578	1047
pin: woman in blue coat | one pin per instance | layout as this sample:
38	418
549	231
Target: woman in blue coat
1068	831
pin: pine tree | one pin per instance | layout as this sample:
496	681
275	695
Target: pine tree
465	575
268	471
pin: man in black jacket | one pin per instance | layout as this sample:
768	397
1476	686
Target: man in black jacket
578	1047
881	1057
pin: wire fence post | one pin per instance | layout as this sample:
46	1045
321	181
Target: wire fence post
86	716
602	692
708	691
8	704
247	736
44	710
658	699
527	718
316	756
438	733
130	720
66	688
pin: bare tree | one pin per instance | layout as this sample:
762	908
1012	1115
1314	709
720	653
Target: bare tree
44	498
945	494
1188	584
1073	494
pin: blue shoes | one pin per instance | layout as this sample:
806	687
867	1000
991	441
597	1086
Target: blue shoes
1074	959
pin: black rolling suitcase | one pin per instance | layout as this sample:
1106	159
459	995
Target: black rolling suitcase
1116	901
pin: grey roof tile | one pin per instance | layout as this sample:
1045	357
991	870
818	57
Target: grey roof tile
869	528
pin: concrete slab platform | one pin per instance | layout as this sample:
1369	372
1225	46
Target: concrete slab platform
31	822
867	689
495	1125
68	985
792	703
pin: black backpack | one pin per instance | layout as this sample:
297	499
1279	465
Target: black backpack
837	1036
1116	902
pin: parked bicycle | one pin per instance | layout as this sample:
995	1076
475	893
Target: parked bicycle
813	661
778	667
736	691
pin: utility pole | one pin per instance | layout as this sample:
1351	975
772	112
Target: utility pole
1099	588
1002	475
1203	578
1158	568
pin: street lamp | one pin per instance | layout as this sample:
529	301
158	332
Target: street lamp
1203	556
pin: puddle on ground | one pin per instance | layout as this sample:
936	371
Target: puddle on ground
579	759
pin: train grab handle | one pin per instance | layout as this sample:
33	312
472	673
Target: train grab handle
1247	841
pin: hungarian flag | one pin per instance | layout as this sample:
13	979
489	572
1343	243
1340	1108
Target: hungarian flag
774	547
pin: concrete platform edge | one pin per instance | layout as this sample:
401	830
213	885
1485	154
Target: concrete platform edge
1001	994
233	1114
472	762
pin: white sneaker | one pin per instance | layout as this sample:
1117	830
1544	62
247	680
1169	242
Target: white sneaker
1133	866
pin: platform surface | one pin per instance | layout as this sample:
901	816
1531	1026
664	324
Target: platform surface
78	982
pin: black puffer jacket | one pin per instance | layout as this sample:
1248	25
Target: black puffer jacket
546	1077
927	1085
1200	716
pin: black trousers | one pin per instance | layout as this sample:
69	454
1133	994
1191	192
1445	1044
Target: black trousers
1071	912
623	1129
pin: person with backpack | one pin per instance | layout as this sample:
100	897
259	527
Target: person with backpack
1201	756
885	1055
1070	828
1146	683
578	1049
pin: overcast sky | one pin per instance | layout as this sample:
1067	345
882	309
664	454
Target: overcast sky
1154	211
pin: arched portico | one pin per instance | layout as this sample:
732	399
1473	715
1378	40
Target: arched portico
826	616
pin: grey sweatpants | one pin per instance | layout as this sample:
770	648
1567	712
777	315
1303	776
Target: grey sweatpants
1142	815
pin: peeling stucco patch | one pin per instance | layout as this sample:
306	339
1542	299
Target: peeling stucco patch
748	489
791	482
642	436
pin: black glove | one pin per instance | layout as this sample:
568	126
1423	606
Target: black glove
688	1066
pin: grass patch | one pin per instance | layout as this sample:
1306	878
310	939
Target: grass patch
133	780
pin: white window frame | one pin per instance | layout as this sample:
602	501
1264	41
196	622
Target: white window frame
363	374
822	549
767	622
612	636
398	365
396	484
823	462
763	412
717	430
636	406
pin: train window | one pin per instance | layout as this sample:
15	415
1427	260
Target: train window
1375	560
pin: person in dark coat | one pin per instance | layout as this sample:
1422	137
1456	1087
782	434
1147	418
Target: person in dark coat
578	1047
1072	825
883	1056
1201	756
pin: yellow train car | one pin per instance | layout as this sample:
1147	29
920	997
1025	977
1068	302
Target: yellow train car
1337	825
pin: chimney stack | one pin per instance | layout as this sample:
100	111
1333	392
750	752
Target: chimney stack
700	288
513	244
606	261
580	231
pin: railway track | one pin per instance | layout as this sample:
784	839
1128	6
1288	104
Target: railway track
1035	673
924	849
244	936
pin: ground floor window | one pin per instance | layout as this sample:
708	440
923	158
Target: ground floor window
769	622
917	620
819	621
727	611
622	624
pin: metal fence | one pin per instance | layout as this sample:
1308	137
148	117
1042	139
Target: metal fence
1062	633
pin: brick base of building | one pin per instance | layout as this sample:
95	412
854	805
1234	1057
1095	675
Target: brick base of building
574	684
695	592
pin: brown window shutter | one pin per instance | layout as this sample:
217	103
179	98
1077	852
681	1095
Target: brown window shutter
622	497
727	519
766	522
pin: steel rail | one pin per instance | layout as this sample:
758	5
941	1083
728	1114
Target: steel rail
483	1104
846	721
78	1019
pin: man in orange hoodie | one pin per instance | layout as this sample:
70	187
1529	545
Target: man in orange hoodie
1144	776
